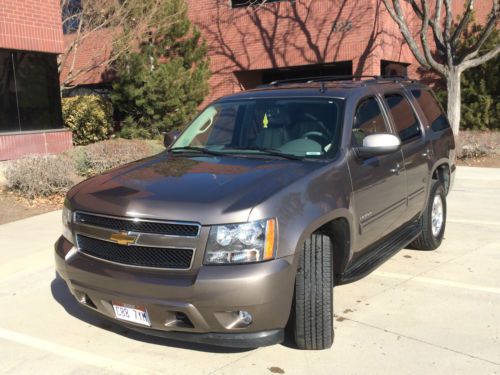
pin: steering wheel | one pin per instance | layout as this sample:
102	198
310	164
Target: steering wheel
318	121
319	137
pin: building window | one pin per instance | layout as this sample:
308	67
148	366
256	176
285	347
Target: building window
247	3
29	92
393	69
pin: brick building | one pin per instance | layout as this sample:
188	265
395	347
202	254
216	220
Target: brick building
30	107
252	45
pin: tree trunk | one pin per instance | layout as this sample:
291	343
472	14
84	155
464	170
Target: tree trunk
454	100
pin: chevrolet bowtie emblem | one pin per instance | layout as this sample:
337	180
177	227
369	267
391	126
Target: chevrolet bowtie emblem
123	238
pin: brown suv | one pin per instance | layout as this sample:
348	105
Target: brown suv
264	203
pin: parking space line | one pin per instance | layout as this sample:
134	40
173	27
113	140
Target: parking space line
71	353
478	222
428	280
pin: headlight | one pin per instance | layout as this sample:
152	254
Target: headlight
241	243
67	217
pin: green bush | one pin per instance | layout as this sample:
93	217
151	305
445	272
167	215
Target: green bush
160	85
102	156
40	175
89	118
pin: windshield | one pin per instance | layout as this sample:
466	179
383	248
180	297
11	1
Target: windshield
299	127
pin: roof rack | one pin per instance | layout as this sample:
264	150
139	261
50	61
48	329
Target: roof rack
322	79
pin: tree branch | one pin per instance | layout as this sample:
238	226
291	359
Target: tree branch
425	44
436	24
397	15
447	33
463	22
481	59
474	50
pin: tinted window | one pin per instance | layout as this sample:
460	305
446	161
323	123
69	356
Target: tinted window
432	110
367	120
9	120
404	119
29	91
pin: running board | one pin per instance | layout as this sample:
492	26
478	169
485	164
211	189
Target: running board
380	253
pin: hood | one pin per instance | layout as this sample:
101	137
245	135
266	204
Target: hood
204	189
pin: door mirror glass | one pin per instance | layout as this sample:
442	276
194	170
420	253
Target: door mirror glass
378	144
169	138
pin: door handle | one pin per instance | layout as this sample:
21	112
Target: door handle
427	154
396	170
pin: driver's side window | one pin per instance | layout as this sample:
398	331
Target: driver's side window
367	120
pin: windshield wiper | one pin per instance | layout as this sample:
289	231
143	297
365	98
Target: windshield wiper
267	151
203	150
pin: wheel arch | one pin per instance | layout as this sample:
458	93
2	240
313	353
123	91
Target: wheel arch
339	230
442	173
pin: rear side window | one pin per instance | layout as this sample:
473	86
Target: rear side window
432	110
404	118
367	120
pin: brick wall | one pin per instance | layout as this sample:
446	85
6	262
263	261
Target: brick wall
31	25
13	146
303	32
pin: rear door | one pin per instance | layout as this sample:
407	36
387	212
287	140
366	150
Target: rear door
379	183
416	151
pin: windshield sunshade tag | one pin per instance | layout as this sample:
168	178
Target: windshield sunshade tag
265	121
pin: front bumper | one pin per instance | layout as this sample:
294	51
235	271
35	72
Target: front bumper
206	299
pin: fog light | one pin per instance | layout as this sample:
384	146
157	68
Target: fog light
245	317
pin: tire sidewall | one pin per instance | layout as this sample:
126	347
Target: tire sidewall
437	190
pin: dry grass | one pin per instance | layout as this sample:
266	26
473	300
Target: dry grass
40	176
103	156
477	144
45	179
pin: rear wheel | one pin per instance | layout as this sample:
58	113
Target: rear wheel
313	323
433	220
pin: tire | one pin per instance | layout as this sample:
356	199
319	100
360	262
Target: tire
313	304
429	239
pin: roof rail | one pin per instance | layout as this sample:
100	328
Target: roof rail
322	79
373	79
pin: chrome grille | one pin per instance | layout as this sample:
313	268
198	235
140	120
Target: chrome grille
139	225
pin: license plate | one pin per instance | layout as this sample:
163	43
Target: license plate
131	313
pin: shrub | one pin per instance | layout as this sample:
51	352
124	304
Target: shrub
160	85
102	156
40	175
475	144
89	118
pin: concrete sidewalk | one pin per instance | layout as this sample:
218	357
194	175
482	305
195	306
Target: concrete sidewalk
421	312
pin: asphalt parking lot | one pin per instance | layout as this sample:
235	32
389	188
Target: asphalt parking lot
420	313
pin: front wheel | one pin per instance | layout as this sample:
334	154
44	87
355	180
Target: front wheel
433	220
313	322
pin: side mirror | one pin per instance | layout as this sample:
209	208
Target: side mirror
378	144
169	138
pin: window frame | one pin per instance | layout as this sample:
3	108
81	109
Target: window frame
421	111
388	126
406	97
27	114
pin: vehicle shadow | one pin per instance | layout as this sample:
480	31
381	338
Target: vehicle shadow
63	296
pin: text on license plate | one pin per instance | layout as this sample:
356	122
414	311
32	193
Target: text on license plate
131	313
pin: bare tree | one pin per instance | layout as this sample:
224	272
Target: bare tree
448	59
113	27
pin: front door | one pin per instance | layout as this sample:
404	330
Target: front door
379	183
